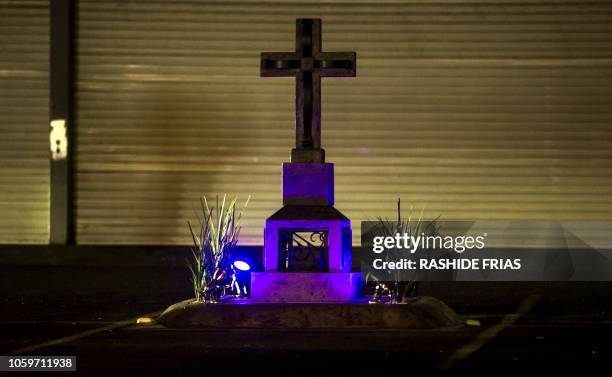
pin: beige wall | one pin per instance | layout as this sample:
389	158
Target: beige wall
492	110
24	121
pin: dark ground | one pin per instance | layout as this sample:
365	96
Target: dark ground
47	294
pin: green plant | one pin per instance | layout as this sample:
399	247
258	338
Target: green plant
213	245
413	227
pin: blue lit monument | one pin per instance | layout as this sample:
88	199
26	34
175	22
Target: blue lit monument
307	244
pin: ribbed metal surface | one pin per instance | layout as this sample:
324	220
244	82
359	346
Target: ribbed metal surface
492	110
24	121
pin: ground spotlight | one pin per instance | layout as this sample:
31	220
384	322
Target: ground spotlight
242	278
242	265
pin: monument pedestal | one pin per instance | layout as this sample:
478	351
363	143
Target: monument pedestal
307	243
307	239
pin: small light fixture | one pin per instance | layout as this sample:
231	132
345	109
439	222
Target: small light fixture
241	278
58	139
144	321
242	265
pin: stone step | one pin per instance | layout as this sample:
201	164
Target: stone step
305	286
421	313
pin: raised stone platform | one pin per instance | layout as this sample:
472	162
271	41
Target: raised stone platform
422	313
305	286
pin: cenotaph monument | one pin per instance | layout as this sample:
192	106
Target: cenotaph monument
307	243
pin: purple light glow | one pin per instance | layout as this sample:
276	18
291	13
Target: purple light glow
305	286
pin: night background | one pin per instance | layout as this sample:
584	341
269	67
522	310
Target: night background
117	116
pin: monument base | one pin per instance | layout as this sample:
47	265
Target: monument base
421	313
305	286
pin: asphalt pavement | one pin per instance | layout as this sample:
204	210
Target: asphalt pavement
89	308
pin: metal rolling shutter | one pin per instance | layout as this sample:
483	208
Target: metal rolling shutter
24	121
473	110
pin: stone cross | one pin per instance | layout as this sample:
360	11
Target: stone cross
308	64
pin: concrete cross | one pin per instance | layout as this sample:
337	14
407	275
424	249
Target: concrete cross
308	64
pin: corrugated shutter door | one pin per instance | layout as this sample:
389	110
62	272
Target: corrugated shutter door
472	110
24	121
